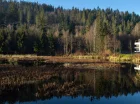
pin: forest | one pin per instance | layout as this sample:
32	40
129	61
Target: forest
33	28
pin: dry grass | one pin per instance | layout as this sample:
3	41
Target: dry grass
53	59
73	58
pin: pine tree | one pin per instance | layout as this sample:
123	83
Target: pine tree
1	41
114	31
51	45
28	16
20	39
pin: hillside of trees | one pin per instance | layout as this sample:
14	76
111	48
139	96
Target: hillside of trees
33	28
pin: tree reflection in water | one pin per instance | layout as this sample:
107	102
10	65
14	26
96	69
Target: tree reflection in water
45	82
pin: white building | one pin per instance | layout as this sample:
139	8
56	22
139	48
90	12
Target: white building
137	46
137	67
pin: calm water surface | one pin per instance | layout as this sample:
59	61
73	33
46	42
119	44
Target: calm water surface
54	84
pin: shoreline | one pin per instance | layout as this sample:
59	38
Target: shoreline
121	58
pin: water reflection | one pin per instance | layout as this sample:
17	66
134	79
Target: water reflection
25	84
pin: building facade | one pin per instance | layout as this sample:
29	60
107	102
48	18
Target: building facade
137	46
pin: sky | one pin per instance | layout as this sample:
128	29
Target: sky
122	5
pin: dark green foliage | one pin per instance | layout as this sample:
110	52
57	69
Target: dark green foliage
36	48
25	27
51	45
20	39
1	40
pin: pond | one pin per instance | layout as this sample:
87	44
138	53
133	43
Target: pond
56	84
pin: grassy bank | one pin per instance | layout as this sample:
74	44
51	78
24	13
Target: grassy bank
14	59
119	58
130	58
49	59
